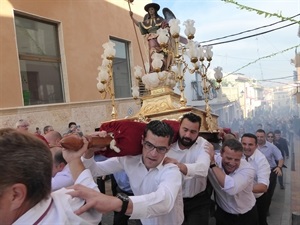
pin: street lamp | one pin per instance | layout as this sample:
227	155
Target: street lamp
200	58
105	79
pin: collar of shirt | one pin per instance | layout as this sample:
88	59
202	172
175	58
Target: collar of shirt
178	149
265	145
32	215
159	167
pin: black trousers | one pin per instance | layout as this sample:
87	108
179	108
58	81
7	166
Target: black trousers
271	188
225	218
197	209
262	208
119	218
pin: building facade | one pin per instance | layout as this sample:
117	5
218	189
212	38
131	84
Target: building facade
50	52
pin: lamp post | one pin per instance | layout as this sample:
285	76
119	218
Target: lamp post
200	58
105	79
174	72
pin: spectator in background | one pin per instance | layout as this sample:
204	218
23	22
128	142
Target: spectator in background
47	129
73	128
23	125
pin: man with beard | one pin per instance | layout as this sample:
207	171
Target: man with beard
189	154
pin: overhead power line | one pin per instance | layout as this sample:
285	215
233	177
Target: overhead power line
267	56
247	31
253	35
278	78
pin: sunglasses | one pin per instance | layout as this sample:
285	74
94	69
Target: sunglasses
270	136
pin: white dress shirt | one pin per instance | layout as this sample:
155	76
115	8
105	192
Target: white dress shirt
157	192
62	206
236	197
262	168
62	179
197	161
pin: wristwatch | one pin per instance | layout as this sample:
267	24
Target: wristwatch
212	165
125	199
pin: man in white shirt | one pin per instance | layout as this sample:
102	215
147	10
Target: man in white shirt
232	179
61	174
25	184
189	154
261	180
156	187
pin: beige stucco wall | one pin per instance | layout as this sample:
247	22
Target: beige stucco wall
84	26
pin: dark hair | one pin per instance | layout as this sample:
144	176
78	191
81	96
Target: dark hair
72	123
277	132
58	158
233	144
192	118
46	128
260	131
249	135
160	129
270	132
25	159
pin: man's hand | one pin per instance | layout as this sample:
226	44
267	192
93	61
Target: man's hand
100	202
102	133
170	160
73	155
278	171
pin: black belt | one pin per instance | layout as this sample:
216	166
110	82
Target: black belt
236	215
196	196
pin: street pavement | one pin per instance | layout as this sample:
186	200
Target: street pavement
285	203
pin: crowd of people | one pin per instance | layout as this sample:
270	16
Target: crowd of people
180	181
172	182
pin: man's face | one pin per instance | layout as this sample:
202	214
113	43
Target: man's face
188	133
261	138
231	159
152	158
73	127
277	137
23	127
49	129
249	146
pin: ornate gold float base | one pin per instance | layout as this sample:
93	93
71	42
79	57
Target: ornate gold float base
163	103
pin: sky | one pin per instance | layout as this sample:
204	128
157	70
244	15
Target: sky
215	19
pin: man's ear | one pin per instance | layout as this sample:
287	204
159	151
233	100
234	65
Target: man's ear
61	166
18	193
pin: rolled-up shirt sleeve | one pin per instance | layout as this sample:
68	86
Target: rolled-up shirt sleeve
102	168
239	181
